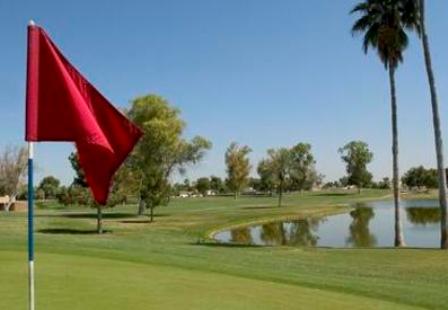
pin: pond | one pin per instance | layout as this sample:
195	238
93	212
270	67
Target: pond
368	225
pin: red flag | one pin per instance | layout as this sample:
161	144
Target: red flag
61	105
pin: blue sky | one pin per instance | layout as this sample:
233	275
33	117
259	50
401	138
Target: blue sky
262	73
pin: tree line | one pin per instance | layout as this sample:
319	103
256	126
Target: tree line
284	170
144	178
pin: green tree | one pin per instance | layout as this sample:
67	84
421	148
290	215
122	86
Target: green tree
383	23
50	186
125	182
187	184
217	184
267	182
278	166
80	178
78	192
357	156
411	5
420	177
255	184
384	183
303	172
203	185
162	150
238	167
343	181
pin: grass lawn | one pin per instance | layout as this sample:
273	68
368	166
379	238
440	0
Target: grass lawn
170	264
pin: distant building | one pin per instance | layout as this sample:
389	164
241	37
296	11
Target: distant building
210	192
184	194
249	191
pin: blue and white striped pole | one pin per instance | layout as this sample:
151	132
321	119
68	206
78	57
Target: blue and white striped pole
30	222
30	227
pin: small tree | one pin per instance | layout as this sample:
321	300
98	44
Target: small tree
50	186
277	167
125	181
78	192
420	177
281	167
187	185
203	185
384	183
217	184
80	178
303	172
13	164
267	182
357	156
238	167
162	150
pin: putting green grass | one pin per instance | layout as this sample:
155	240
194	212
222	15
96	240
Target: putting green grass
77	282
170	264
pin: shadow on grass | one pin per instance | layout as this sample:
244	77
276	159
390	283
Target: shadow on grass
260	207
225	245
136	221
89	215
392	248
333	194
69	231
105	215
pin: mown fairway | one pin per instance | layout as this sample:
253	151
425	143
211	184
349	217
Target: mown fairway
170	264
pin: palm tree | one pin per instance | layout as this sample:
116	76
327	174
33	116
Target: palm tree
436	121
383	23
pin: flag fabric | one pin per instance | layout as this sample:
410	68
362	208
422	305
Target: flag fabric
61	105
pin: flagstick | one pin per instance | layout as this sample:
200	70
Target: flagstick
30	226
31	299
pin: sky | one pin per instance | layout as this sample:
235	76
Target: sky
263	73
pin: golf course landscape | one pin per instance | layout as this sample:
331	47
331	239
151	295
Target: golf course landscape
223	155
173	263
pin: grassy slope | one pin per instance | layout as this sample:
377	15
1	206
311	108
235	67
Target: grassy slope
162	265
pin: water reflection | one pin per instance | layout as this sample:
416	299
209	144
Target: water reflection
423	215
273	233
299	233
303	233
241	235
367	225
359	232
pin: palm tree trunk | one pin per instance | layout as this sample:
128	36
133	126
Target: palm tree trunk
437	132
399	240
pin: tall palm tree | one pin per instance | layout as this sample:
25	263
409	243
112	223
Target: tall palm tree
436	120
383	23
